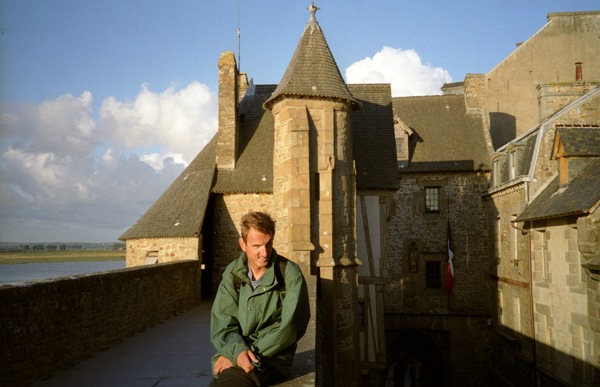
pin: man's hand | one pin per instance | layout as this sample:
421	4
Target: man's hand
221	364
245	359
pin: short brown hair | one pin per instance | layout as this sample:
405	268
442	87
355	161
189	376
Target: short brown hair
259	221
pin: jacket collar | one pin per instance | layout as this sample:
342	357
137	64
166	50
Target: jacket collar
241	268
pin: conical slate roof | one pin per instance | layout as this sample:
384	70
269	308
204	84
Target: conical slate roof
312	72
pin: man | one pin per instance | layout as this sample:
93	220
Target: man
260	311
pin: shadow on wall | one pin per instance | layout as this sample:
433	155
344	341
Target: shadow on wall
514	366
503	128
415	359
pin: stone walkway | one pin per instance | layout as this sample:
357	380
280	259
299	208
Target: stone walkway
175	353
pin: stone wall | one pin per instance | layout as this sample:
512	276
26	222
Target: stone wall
49	326
548	56
161	250
564	320
228	212
461	203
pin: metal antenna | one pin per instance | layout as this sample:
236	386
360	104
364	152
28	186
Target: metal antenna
239	34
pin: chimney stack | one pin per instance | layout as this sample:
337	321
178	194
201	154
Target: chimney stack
227	136
578	71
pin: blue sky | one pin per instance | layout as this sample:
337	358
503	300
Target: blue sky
104	102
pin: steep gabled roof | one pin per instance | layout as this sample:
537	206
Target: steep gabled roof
578	141
179	211
446	137
582	193
312	72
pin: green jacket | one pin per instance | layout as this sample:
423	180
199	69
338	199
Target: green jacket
265	320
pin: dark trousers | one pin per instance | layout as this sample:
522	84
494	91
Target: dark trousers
237	377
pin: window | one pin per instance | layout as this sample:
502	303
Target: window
399	148
432	199
544	254
498	244
151	257
517	314
433	275
515	241
513	166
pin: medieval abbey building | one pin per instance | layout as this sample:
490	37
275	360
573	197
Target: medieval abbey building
370	193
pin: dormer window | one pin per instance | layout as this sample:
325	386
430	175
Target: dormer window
402	134
499	161
573	147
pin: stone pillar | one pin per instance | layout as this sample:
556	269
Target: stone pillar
337	318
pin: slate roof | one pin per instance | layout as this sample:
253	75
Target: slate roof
179	211
578	197
312	72
372	129
578	141
374	144
254	165
445	137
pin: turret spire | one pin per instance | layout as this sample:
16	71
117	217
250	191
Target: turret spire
312	72
312	8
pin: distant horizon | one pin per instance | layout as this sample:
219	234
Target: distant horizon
61	243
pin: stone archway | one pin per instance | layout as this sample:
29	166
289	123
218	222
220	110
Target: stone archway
414	360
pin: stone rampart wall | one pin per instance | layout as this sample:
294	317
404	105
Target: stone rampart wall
49	326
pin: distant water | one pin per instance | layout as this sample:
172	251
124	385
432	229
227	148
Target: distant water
15	273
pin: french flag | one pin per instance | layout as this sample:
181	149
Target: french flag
449	283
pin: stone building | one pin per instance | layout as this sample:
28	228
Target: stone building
443	146
542	203
302	151
548	56
366	188
543	207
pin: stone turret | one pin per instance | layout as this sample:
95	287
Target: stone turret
314	194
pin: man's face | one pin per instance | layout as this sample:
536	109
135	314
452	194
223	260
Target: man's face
258	247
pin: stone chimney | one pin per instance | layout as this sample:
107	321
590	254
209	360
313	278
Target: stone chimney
227	136
555	96
474	89
474	93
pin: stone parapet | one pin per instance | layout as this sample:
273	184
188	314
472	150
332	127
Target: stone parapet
49	326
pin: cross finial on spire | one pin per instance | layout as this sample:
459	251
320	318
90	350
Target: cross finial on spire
312	8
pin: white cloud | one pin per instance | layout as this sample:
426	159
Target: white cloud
403	69
71	173
177	121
